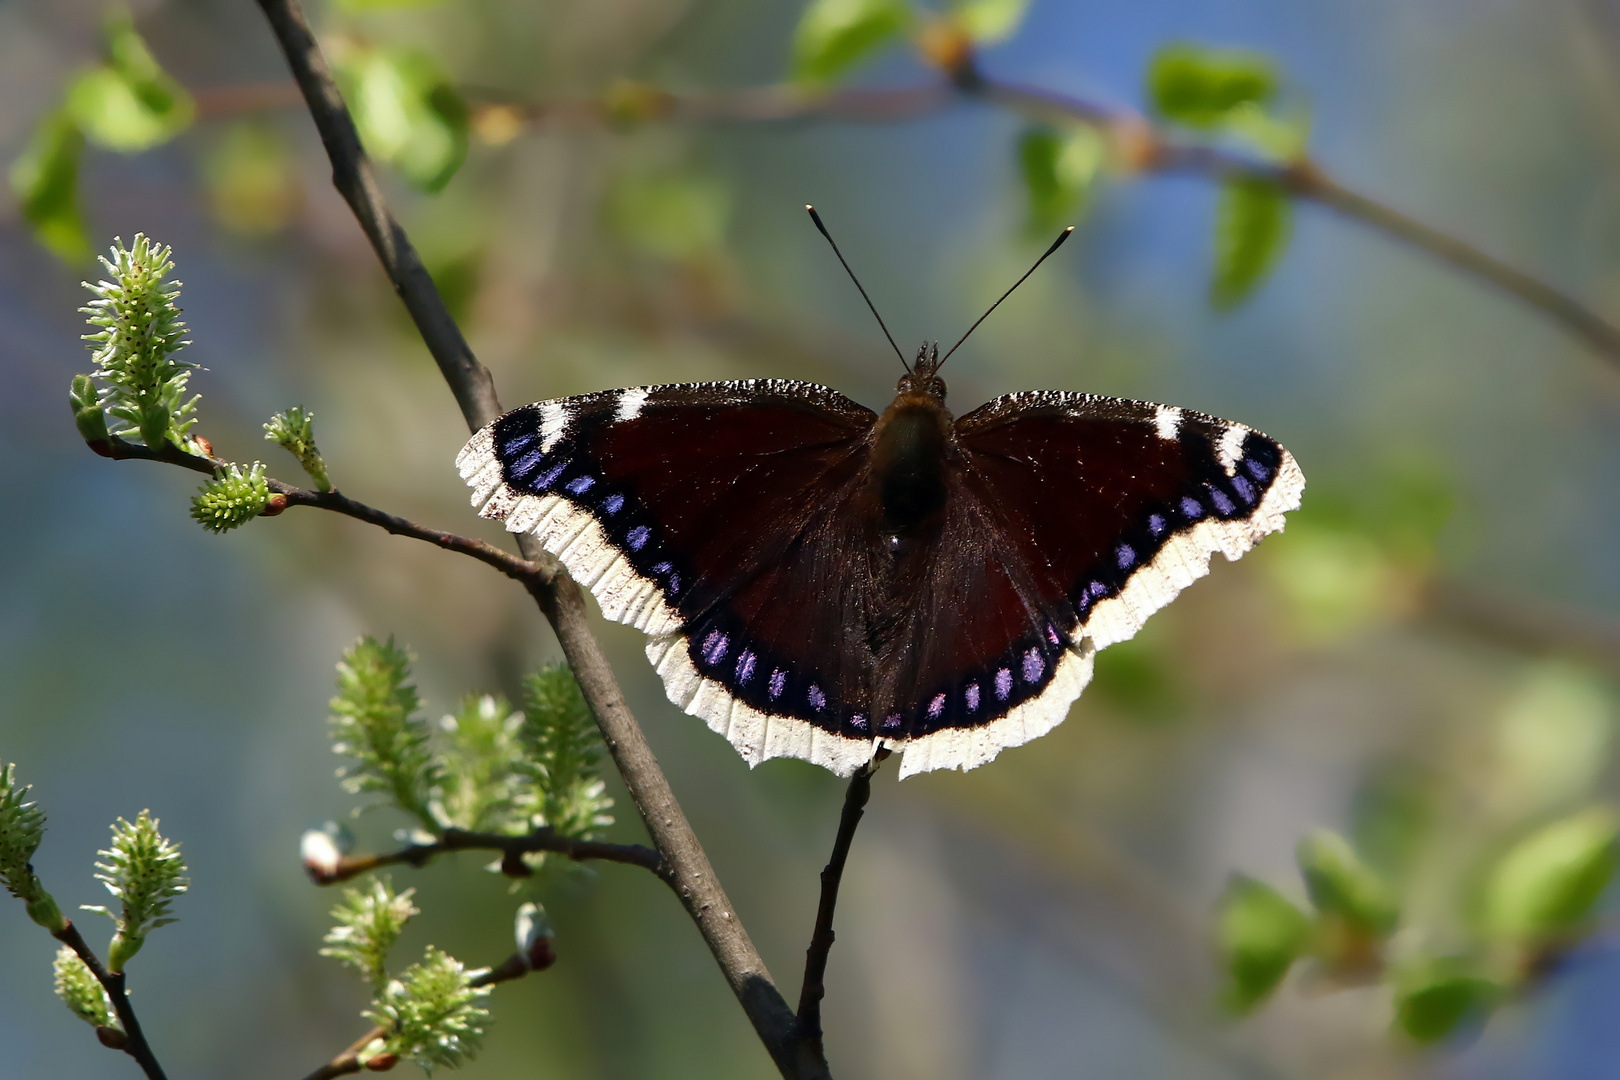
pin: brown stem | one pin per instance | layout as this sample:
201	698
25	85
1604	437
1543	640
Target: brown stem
686	865
135	1045
821	939
510	847
504	561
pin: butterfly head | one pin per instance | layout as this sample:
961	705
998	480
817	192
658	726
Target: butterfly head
923	379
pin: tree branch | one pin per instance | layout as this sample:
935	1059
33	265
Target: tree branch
135	1044
687	865
512	848
292	495
821	939
1146	148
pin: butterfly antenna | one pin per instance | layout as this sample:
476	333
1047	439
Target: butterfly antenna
815	217
1062	236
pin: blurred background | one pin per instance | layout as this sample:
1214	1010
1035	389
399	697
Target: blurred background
1423	662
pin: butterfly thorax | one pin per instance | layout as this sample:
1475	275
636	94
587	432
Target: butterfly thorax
912	450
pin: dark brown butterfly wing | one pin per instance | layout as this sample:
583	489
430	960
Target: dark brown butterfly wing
719	519
1072	519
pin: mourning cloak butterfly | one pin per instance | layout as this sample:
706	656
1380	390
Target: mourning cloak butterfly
816	580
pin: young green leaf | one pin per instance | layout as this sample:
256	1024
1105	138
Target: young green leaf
1259	934
407	112
373	721
369	921
1435	999
231	499
136	348
80	991
1340	884
1058	169
1546	884
1203	87
562	748
145	872
432	1013
128	103
835	35
294	430
1253	221
483	779
989	21
45	179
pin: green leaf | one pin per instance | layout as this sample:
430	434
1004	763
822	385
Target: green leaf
835	35
1339	883
1058	169
1259	934
1253	221
45	180
1547	884
1203	87
989	21
373	721
407	112
1432	1001
128	103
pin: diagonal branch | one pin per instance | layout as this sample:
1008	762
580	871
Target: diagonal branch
688	867
135	1044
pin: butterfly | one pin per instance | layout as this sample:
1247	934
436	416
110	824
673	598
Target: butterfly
820	581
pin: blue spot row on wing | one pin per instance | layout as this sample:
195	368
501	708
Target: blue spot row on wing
720	650
1212	494
568	471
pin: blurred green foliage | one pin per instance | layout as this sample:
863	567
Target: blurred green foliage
252	187
1059	168
676	216
1203	87
408	113
835	35
1546	885
989	21
45	178
128	103
1340	884
1437	998
1253	221
1260	934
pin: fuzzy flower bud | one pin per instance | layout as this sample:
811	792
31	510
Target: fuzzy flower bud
294	430
231	499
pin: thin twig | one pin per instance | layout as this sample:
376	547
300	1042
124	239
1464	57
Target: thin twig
821	940
512	848
292	495
135	1044
514	967
688	869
